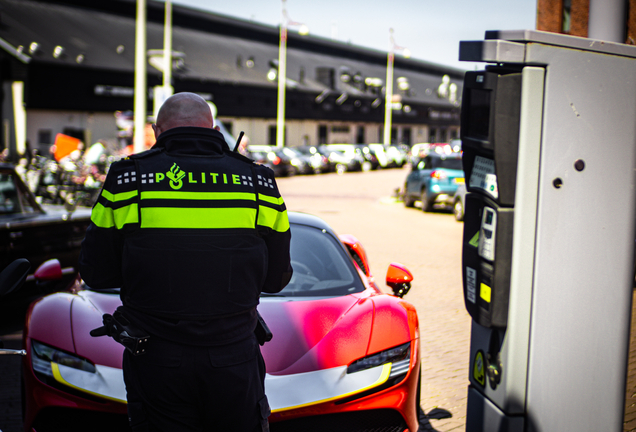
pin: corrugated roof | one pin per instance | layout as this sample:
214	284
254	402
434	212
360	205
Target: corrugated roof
105	39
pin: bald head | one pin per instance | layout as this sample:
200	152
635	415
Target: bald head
183	109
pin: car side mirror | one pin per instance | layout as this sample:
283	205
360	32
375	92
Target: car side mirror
399	279
49	270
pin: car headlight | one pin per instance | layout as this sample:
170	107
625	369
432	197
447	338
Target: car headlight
398	355
43	355
400	359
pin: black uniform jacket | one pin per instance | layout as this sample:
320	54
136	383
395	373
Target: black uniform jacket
192	233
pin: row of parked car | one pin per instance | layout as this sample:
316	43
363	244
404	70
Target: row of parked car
340	158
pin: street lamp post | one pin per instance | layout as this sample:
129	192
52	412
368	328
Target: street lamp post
282	74
164	91
388	103
139	137
167	49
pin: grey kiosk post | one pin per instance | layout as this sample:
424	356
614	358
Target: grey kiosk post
548	131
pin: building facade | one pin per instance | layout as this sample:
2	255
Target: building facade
67	66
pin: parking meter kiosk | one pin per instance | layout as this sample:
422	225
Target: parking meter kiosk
548	133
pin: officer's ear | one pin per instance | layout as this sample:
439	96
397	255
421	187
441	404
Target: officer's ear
156	131
217	128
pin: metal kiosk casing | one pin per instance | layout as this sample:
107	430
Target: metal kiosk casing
549	139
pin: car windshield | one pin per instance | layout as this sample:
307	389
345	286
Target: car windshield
321	266
9	202
14	198
450	163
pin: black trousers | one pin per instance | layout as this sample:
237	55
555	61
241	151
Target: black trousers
175	388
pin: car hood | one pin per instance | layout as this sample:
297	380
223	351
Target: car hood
308	333
74	316
86	314
314	334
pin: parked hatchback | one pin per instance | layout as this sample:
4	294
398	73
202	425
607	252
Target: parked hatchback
433	180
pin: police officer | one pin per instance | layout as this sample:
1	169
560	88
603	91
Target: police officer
192	233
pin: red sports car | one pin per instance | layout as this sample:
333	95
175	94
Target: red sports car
344	356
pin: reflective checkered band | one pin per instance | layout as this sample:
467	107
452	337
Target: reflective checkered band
127	177
267	182
147	178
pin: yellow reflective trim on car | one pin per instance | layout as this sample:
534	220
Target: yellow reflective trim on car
198	195
181	217
106	217
268	217
123	196
271	199
307	379
59	378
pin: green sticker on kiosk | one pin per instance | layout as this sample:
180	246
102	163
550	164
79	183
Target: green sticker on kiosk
479	368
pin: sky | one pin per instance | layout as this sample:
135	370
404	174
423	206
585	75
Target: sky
430	29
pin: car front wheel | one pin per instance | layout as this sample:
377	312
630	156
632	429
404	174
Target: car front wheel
408	200
427	205
458	210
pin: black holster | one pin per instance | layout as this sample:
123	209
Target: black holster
119	328
263	333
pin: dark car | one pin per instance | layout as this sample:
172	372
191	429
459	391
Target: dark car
281	166
433	180
300	161
344	157
371	161
319	162
37	233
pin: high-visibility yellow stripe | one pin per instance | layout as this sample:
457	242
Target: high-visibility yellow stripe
179	217
106	217
278	221
198	195
118	197
270	199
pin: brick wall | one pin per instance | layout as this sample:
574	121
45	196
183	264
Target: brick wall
550	18
631	23
580	15
550	15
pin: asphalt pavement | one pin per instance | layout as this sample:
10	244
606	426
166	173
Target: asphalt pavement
429	244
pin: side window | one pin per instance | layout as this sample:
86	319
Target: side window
15	197
26	200
9	200
424	163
